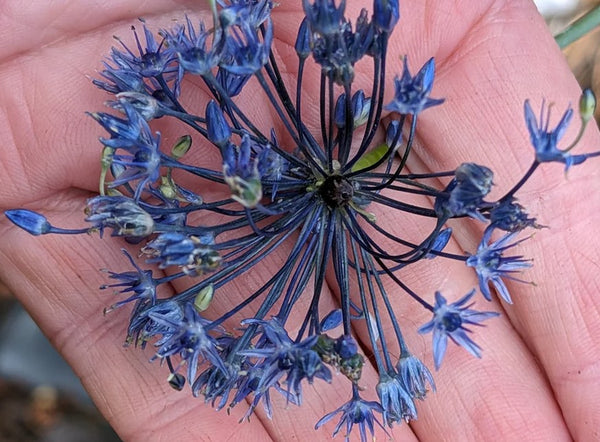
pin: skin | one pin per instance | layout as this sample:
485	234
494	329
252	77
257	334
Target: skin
539	378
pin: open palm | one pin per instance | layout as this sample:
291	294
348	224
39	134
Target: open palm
539	377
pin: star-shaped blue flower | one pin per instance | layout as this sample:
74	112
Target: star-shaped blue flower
411	94
545	141
491	266
449	321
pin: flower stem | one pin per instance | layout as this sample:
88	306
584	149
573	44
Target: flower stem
579	28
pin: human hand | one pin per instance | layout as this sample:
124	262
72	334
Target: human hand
538	375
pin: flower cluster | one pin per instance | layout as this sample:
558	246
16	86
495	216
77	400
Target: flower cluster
316	193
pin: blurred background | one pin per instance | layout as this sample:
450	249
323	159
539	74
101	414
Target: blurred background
41	399
582	54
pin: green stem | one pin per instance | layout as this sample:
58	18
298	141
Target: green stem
579	28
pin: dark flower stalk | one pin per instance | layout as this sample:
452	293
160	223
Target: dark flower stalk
317	196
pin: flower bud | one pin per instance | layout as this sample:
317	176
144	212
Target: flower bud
204	297
32	222
181	146
303	41
360	108
218	130
386	14
587	105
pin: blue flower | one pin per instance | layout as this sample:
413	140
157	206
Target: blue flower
120	79
194	50
386	14
332	320
141	160
334	45
415	376
411	94
439	243
270	165
305	200
124	132
152	70
146	105
152	60
491	266
253	13
396	402
195	254
232	84
449	321
323	16
245	52
139	282
142	328
355	411
464	195
393	135
121	214
241	171
249	386
188	338
279	356
217	128
510	216
217	385
360	109
302	45
545	141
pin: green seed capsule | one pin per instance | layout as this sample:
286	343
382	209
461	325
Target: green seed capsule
204	297
181	146
587	105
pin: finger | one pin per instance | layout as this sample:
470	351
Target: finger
509	353
116	383
464	385
558	319
58	279
43	110
33	26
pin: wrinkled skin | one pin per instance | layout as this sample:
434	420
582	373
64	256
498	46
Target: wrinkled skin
539	377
